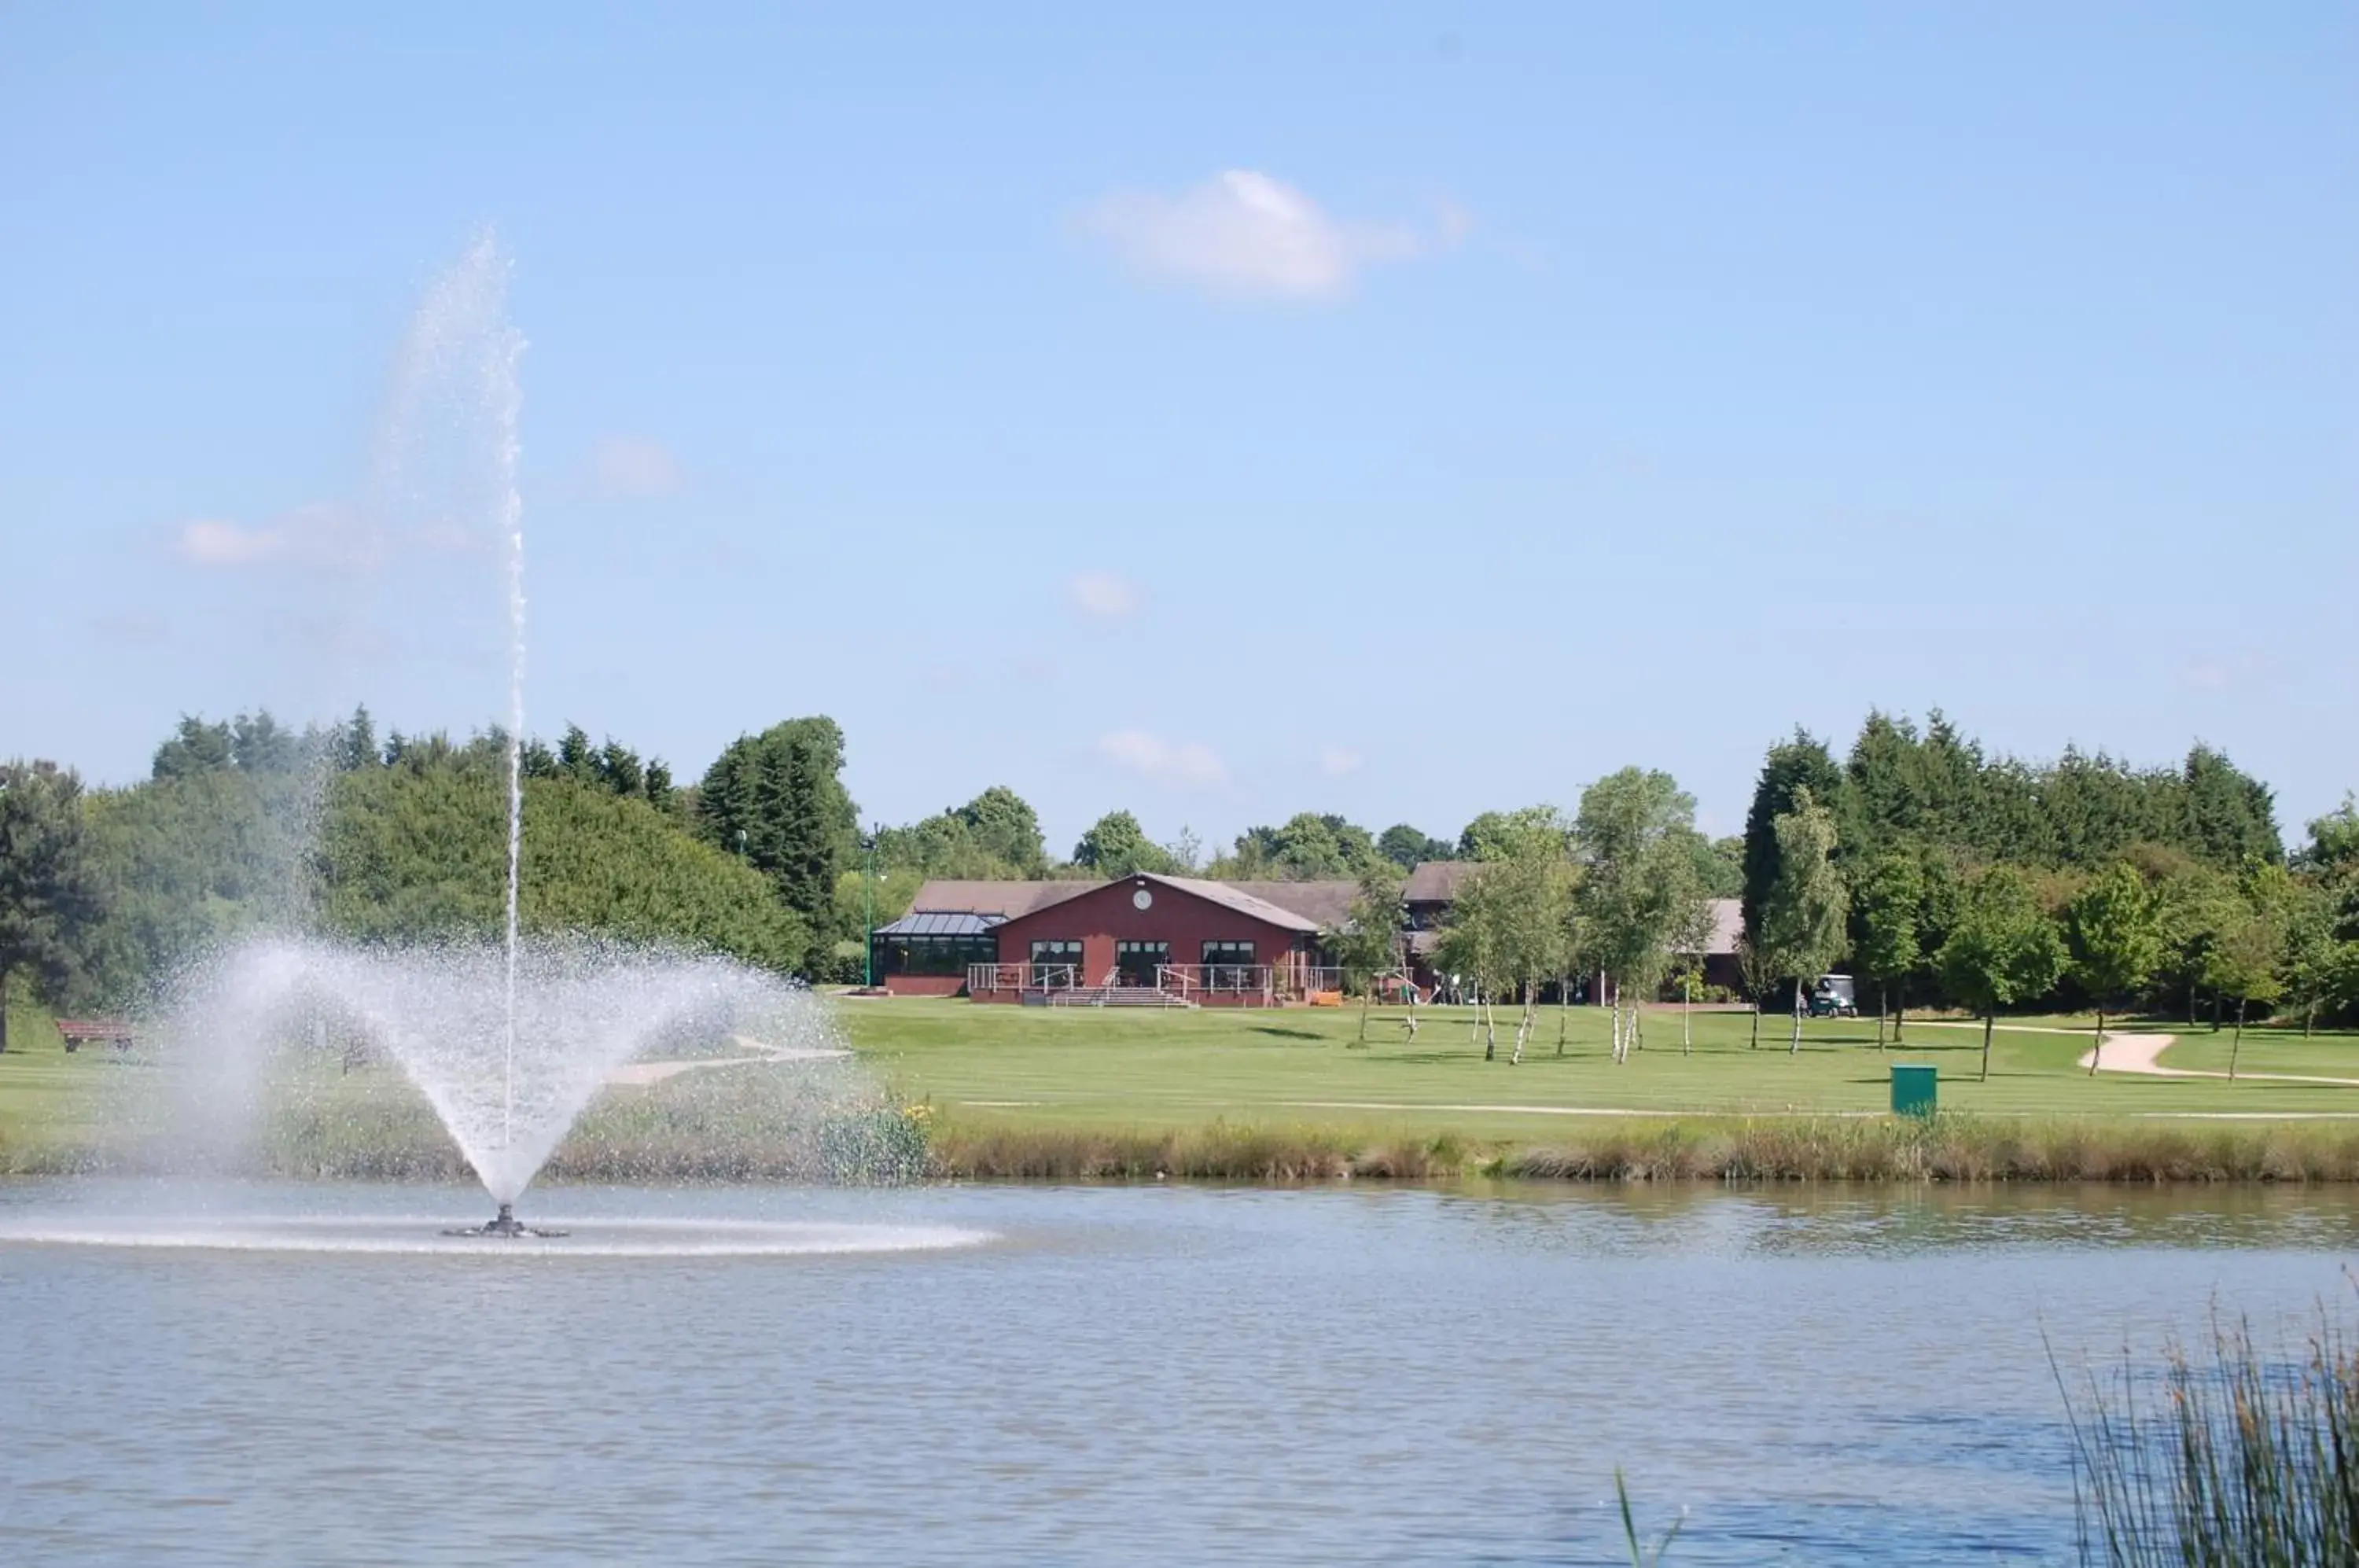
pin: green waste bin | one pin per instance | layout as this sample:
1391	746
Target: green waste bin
1913	1091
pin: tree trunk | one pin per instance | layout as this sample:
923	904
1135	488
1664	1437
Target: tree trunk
1880	1000
1490	1031
1990	1020
1756	1024
2190	1004
1564	1011
2215	1012
3	1010
2097	1052
2309	1015
1687	1017
1899	1009
1523	1024
1367	997
2237	1043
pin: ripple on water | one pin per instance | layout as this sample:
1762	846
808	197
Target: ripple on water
587	1237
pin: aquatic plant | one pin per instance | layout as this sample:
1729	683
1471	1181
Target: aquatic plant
2230	1457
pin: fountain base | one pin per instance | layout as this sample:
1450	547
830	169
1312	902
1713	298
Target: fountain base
506	1225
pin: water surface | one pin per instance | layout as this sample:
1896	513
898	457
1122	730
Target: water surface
1157	1375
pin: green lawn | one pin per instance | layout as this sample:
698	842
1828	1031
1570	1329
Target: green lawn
1112	1070
48	1097
1086	1067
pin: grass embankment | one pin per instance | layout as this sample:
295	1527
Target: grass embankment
1048	1094
1041	1093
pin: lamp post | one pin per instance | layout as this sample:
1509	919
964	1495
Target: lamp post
868	948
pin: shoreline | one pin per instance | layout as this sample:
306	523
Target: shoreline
898	1147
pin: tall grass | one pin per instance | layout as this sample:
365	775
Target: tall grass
2230	1457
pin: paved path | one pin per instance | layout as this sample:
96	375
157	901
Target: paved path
2141	1054
639	1075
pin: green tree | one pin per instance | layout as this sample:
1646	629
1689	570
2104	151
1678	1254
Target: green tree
195	747
48	896
1368	944
2230	816
1409	848
1888	901
1003	825
2245	963
779	799
2003	950
1115	845
1508	929
1641	893
2115	935
1791	769
1500	835
1808	905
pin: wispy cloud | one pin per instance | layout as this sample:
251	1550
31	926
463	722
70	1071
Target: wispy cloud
1104	595
1335	761
629	465
310	539
1245	234
1186	765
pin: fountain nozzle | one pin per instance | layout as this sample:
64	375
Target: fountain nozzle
506	1225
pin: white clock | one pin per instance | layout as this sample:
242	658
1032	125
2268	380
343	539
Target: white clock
1141	899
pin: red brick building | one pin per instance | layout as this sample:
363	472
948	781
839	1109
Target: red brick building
1229	943
1219	943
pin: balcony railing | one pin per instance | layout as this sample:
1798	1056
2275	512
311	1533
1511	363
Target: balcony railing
1022	977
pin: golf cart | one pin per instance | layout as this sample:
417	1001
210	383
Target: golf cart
1835	997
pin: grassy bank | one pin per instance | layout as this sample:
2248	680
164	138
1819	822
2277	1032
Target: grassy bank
1716	1148
1051	1095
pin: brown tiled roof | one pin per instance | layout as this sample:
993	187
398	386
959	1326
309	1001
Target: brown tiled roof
1326	905
1006	899
1232	896
1436	881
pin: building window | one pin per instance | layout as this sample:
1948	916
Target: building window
1228	966
1050	954
934	955
1136	963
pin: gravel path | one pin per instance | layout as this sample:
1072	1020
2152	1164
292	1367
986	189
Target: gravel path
639	1075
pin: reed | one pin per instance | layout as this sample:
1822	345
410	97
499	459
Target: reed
2230	1457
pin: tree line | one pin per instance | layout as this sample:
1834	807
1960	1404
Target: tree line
1937	873
1930	870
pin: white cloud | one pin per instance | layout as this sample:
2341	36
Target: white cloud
1335	761
1247	233
630	466
1107	595
1188	765
310	538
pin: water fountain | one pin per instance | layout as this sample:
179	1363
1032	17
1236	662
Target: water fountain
507	1040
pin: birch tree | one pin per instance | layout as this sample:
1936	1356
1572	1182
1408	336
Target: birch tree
1640	891
1367	944
1808	903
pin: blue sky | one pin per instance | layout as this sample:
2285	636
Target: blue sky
1219	411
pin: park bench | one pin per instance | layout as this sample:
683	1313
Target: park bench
79	1032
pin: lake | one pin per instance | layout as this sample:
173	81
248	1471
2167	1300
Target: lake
1084	1375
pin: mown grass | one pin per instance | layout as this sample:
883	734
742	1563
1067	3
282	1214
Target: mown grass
1051	1095
1093	1069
